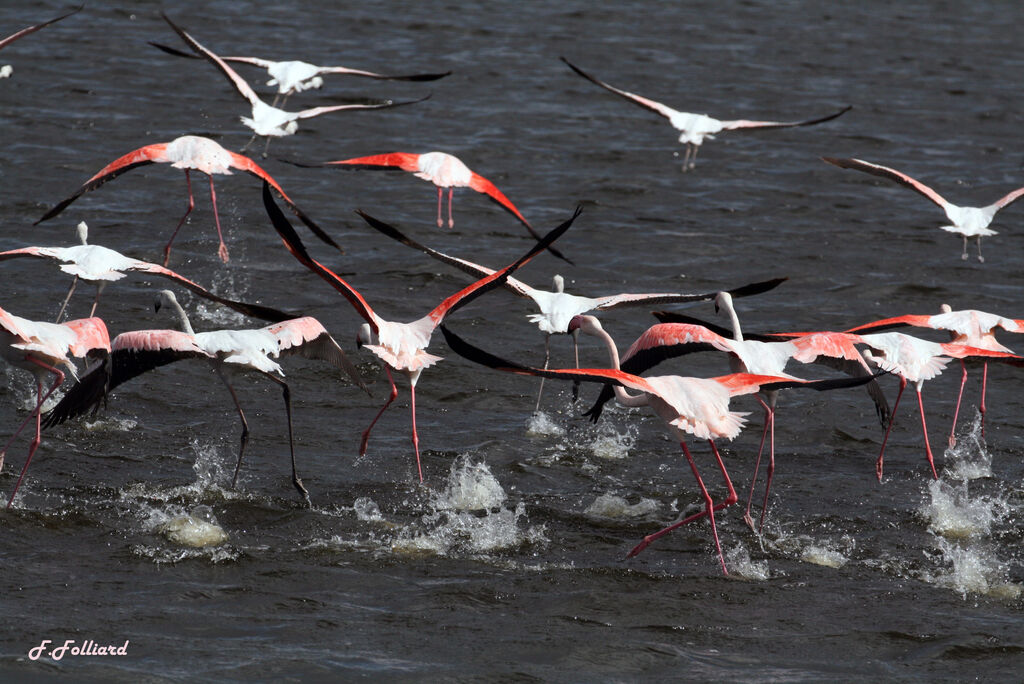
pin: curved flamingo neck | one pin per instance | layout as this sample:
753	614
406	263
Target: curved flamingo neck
179	314
613	353
725	302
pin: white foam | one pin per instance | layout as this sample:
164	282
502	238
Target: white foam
738	561
952	513
975	570
822	555
969	459
611	506
541	424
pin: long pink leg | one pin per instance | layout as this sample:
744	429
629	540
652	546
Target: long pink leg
924	428
547	358
768	421
222	251
984	382
41	399
959	396
881	454
415	437
771	473
391	398
730	500
440	194
60	314
451	193
191	206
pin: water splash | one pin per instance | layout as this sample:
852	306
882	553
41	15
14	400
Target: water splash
974	569
953	514
824	555
969	459
611	506
541	424
610	444
195	528
740	565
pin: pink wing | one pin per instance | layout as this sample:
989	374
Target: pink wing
317	111
240	84
657	107
895	322
369	74
891	174
308	337
90	335
148	154
402	160
744	123
32	29
1009	198
481	184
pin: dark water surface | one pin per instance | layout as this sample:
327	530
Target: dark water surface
509	564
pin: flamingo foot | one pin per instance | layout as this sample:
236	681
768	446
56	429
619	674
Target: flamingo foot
222	252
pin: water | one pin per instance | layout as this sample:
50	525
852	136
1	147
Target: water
509	563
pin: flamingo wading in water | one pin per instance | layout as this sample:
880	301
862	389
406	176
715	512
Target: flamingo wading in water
966	221
694	128
695	406
400	346
190	153
139	351
39	348
102	265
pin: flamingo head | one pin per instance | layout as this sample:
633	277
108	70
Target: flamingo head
589	325
6	70
164	298
723	300
82	229
558	284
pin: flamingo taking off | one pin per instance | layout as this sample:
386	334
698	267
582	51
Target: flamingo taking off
968	327
190	152
295	76
400	346
966	221
696	406
557	307
102	265
694	128
6	70
268	120
139	351
446	171
39	348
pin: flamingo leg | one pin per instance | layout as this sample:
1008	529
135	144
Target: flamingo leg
222	250
391	398
963	256
100	284
191	206
693	157
959	396
730	499
757	464
36	413
881	454
451	194
981	259
686	158
415	437
984	383
576	353
547	358
251	141
60	314
440	194
924	428
245	424
296	480
266	147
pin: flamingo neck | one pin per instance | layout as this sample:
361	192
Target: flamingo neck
734	320
182	317
613	353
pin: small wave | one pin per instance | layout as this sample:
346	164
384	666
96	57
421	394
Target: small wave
611	506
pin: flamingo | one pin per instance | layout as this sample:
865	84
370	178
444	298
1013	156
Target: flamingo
694	128
446	171
295	76
400	346
667	340
102	265
6	70
39	348
966	221
557	307
695	406
968	327
139	351
268	120
189	152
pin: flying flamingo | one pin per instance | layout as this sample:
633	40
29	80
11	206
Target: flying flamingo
698	406
967	221
446	171
101	266
668	340
268	120
6	70
39	348
295	76
557	307
139	351
400	346
695	127
968	327
189	152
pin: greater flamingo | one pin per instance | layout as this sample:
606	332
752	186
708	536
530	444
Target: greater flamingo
557	307
446	171
698	406
966	221
268	120
668	340
694	128
968	327
139	351
6	70
102	265
189	152
295	76
39	348
400	346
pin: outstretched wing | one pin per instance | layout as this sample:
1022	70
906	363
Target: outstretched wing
32	29
891	174
384	77
738	124
317	111
644	102
240	83
308	337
